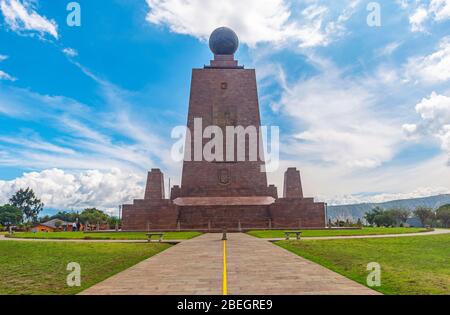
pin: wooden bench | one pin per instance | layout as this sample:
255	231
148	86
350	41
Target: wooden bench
151	235
296	233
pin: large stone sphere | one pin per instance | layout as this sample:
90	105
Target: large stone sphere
223	41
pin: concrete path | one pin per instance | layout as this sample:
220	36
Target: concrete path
434	232
254	267
193	267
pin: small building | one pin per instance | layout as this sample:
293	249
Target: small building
53	226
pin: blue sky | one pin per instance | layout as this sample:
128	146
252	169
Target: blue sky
85	111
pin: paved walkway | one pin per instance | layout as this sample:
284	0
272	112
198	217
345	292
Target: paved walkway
254	267
193	267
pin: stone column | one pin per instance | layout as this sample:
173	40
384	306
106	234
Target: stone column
155	185
292	184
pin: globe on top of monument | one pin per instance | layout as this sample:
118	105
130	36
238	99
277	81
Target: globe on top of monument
223	41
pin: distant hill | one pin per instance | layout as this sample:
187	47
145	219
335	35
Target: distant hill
358	211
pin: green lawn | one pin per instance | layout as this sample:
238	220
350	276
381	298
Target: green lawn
319	233
105	236
40	267
410	265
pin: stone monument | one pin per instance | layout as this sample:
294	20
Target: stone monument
227	194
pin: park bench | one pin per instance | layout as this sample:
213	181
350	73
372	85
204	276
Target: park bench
151	235
296	233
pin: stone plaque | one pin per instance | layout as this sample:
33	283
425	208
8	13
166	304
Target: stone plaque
224	176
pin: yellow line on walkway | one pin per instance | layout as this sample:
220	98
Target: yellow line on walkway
225	289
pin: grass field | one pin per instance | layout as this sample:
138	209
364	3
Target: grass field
105	236
319	233
409	265
40	268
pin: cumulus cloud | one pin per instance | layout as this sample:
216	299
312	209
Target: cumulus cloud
424	11
3	57
21	17
255	21
60	189
435	114
409	129
417	19
440	9
433	68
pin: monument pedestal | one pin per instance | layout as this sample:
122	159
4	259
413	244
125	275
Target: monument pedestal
218	213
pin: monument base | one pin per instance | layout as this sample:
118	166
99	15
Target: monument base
218	213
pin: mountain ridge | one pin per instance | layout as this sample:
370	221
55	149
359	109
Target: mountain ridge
357	211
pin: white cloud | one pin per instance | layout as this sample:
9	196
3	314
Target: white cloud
433	68
435	109
417	19
440	9
337	122
21	16
409	129
34	142
435	114
6	76
60	189
255	21
425	11
3	74
70	52
389	49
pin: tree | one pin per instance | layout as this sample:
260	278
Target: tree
66	216
370	216
400	215
384	218
93	216
45	219
425	215
10	215
27	202
443	215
